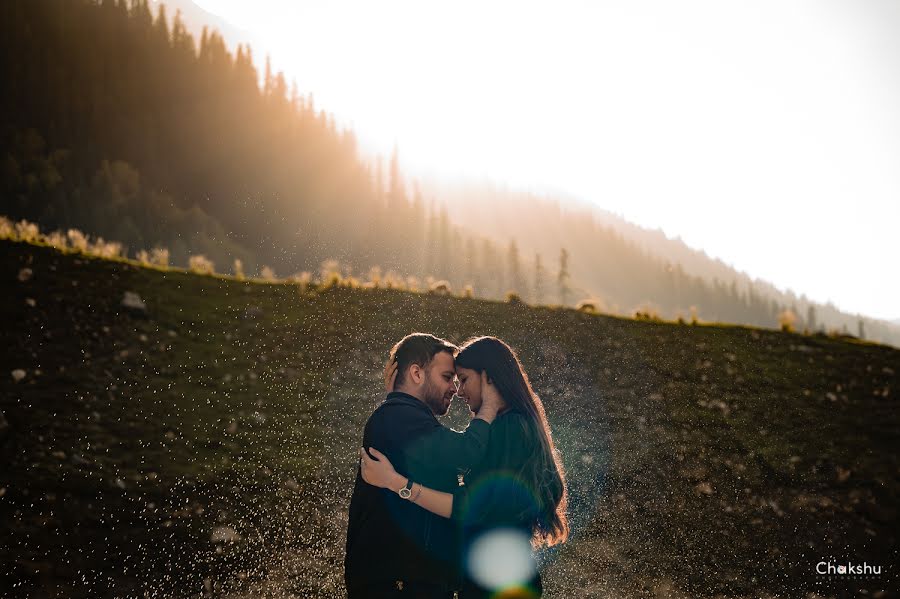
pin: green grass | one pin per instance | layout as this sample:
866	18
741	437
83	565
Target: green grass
702	461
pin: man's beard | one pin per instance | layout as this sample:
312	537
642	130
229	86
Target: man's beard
434	399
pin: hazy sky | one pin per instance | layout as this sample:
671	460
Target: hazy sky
765	133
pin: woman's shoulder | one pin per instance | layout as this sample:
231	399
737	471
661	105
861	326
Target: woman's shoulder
514	422
511	415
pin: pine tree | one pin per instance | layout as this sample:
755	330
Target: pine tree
417	233
268	82
432	242
538	279
444	242
162	26
811	317
396	199
515	270
562	279
471	267
398	216
494	283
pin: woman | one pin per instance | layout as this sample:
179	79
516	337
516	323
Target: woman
517	492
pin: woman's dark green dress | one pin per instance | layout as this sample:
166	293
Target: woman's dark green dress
497	497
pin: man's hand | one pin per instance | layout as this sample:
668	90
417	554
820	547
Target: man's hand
390	375
491	400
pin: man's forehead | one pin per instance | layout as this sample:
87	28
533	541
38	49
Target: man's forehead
444	361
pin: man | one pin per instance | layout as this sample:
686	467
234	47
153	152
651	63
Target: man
395	548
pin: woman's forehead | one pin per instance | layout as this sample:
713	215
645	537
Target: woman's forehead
463	371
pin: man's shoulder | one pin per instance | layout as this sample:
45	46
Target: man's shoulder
400	411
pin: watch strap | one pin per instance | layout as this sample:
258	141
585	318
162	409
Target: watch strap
406	492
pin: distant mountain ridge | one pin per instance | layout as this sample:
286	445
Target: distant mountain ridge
496	239
619	261
693	261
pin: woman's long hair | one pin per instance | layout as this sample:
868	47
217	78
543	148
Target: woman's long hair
543	472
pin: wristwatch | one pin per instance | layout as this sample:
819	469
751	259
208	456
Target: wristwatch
406	492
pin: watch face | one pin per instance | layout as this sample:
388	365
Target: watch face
405	493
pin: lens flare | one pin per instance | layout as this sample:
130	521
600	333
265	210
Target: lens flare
501	560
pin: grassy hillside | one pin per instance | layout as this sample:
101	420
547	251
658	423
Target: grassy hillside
208	446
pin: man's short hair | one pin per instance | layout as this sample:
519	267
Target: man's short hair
418	348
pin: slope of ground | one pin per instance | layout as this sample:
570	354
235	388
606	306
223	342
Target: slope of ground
208	444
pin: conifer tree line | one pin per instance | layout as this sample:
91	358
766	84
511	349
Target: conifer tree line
117	121
623	277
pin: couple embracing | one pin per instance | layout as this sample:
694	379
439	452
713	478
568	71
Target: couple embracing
440	513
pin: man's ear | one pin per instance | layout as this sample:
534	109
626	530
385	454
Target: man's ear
417	374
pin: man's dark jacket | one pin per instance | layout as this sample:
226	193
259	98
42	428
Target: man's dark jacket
390	538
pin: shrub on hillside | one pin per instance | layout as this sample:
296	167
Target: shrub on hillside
392	280
159	256
646	311
7	231
77	240
375	276
302	279
56	239
27	231
330	274
105	249
786	321
441	287
351	282
590	306
514	298
266	273
201	265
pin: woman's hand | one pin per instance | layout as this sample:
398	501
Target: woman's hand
379	472
390	375
491	400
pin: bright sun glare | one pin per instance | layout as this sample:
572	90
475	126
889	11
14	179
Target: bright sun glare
764	133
